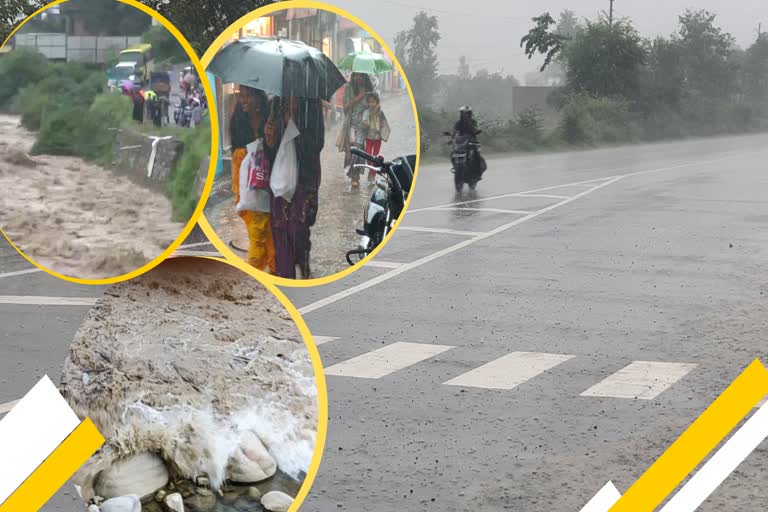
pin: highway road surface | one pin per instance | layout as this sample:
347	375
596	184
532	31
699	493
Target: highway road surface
518	348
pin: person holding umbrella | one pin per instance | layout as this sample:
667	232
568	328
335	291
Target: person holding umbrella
353	131
300	77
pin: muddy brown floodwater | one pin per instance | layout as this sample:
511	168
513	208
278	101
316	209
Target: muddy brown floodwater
74	217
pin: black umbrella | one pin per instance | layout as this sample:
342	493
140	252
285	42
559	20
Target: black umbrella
278	66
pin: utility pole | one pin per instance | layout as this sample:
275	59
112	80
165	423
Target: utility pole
610	15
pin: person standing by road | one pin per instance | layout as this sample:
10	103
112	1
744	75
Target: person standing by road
247	125
293	220
353	133
376	129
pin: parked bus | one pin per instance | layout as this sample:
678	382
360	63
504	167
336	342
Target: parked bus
141	56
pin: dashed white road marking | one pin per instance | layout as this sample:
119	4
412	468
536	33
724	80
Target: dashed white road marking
509	371
35	300
319	340
439	230
384	264
202	254
197	244
20	272
439	254
643	380
545	196
490	210
386	360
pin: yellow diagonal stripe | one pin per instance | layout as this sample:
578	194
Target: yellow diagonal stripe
55	470
692	447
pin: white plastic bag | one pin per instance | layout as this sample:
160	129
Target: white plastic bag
251	199
285	170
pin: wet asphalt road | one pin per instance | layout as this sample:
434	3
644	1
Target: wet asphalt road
664	264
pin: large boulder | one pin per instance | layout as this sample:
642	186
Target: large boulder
141	475
122	504
276	501
251	462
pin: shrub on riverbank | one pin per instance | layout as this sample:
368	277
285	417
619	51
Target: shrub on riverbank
182	185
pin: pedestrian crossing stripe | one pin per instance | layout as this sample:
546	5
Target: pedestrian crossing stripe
640	380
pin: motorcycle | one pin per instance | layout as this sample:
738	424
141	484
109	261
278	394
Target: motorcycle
182	115
464	151
392	186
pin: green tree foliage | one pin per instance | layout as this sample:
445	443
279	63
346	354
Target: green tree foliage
605	60
543	39
418	46
201	21
756	70
14	11
107	17
164	45
705	54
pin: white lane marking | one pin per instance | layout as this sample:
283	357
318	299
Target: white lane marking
545	196
439	254
386	360
643	380
729	154
439	230
491	210
201	254
603	500
721	464
319	340
504	196
197	244
509	371
35	300
4	408
30	432
384	264
20	272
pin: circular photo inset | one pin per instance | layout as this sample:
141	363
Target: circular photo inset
203	388
319	142
105	139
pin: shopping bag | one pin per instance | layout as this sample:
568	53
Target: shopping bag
285	170
254	180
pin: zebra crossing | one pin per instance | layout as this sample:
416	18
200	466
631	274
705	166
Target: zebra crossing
637	380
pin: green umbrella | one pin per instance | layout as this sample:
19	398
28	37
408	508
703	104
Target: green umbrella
365	62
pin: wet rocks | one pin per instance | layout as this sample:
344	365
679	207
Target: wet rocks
122	504
276	501
251	462
174	502
140	475
200	503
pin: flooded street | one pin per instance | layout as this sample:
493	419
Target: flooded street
340	211
74	217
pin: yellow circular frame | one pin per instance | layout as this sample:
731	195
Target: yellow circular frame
214	120
206	60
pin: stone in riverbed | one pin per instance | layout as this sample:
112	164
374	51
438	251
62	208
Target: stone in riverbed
122	504
276	501
141	474
174	502
251	462
198	503
93	508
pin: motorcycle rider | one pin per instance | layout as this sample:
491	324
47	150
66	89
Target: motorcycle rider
467	126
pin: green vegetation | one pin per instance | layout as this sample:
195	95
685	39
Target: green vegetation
182	186
615	86
165	46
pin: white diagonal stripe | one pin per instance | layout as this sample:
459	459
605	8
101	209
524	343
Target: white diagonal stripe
721	464
319	340
30	432
509	371
439	230
643	380
20	272
490	210
386	360
384	264
603	500
545	196
36	300
4	408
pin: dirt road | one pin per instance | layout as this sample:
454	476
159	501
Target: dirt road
74	217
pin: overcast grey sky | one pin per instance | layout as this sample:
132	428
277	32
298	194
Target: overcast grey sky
488	32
